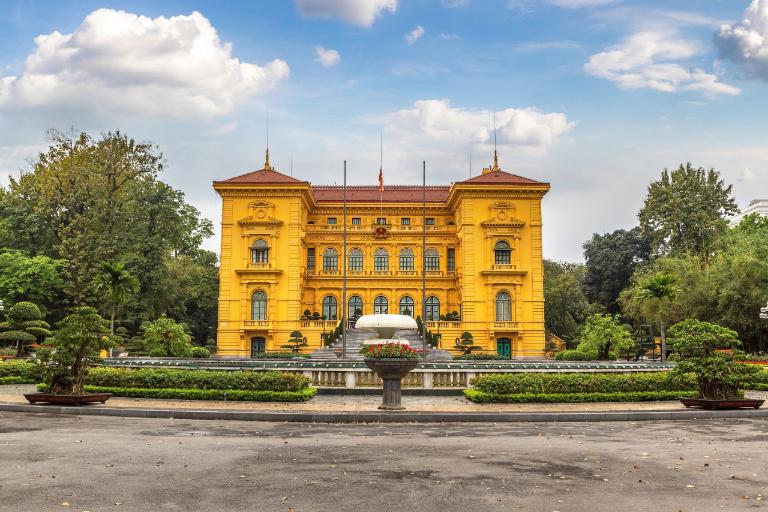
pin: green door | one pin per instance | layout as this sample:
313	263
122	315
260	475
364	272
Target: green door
504	348
258	346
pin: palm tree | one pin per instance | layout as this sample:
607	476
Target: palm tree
656	292
119	284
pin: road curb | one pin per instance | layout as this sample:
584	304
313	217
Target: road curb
385	417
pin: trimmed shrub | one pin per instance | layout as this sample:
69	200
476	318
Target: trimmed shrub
200	352
634	396
278	355
301	395
196	379
575	355
16	380
30	372
158	352
480	357
561	383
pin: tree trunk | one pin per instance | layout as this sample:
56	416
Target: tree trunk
663	333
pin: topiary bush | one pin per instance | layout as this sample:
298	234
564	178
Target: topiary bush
554	383
575	355
480	357
197	379
200	353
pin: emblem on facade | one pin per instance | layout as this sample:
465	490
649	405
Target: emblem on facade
380	232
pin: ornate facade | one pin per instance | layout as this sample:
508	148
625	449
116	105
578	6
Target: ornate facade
282	257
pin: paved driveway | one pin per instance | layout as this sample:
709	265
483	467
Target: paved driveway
129	464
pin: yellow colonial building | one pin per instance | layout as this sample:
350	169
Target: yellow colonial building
282	257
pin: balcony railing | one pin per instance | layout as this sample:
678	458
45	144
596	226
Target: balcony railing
257	324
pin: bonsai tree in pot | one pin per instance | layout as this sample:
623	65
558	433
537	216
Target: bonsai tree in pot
77	340
391	362
466	343
708	351
25	326
296	342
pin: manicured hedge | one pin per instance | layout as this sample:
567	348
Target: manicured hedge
558	383
161	378
480	357
16	380
30	372
634	396
279	355
301	395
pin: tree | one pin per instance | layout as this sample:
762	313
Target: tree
655	293
35	279
119	285
78	340
466	343
699	349
566	305
25	325
165	337
604	335
685	211
611	259
296	342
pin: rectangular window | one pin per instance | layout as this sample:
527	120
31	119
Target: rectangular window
355	261
311	258
451	260
331	220
432	262
381	220
356	221
405	221
430	221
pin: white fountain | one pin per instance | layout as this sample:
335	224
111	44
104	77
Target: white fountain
385	327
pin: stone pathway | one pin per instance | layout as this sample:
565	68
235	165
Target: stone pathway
357	403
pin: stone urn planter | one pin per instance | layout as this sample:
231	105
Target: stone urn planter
391	372
736	403
87	398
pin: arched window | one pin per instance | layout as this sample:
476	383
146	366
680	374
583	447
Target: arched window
380	305
432	260
380	260
355	260
260	252
329	307
433	309
502	253
406	306
406	259
355	308
503	307
259	305
330	260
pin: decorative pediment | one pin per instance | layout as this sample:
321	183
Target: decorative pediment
503	216
261	214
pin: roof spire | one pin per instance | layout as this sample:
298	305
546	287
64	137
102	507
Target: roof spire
266	153
495	167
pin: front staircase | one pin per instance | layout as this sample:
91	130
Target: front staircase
355	339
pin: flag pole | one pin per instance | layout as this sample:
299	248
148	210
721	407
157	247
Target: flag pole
345	307
424	256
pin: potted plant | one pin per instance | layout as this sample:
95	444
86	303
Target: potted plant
296	342
706	351
391	362
77	341
466	343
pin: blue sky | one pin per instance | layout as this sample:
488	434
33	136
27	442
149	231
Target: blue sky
594	96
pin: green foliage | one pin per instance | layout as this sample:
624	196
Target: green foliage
576	355
17	337
301	395
466	343
697	347
296	342
200	352
278	355
567	306
611	259
637	396
480	357
25	326
559	383
604	336
78	339
197	379
118	284
684	212
24	312
30	278
28	371
166	337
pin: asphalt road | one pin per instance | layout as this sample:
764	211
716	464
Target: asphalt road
95	464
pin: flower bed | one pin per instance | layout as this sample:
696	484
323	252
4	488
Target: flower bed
389	351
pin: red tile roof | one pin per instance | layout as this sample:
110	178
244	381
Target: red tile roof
501	178
266	176
371	194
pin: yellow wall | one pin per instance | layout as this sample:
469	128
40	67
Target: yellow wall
290	220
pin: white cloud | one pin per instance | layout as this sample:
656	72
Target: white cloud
414	34
746	175
439	121
116	60
746	42
357	12
577	4
327	57
649	60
